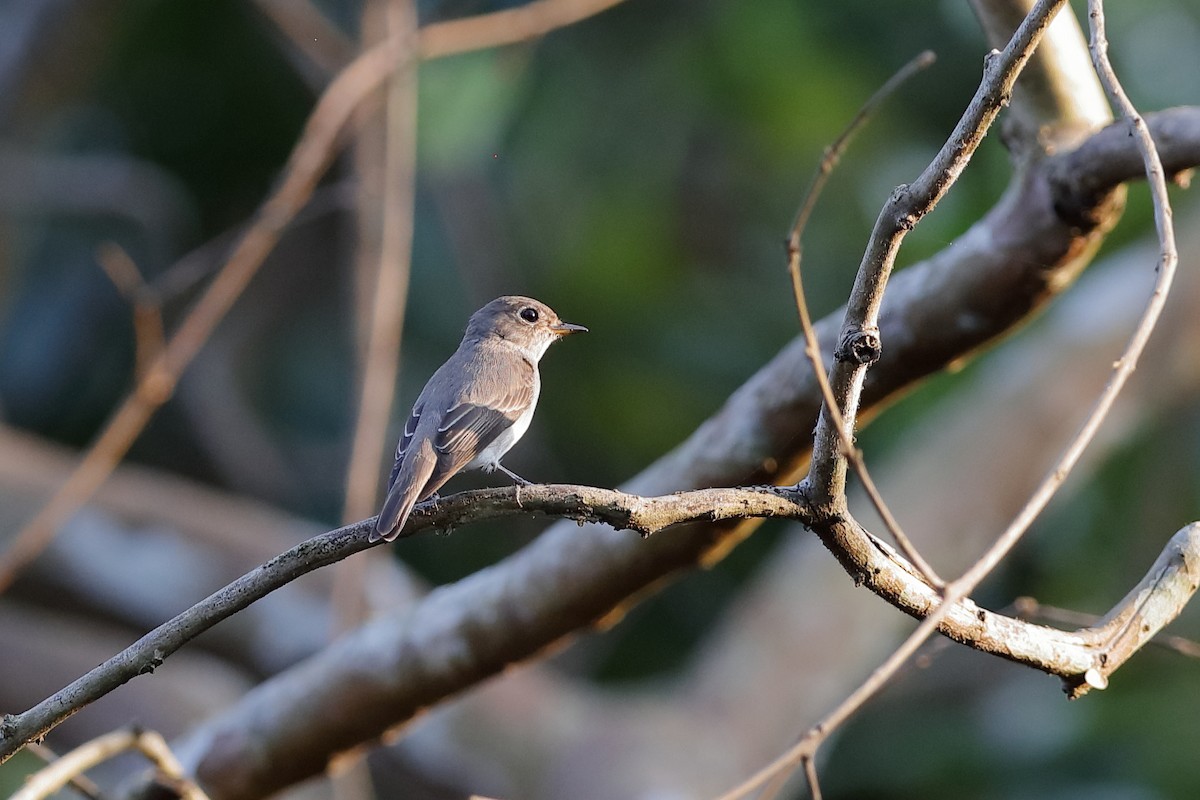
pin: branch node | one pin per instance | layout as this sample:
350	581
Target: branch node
156	660
861	346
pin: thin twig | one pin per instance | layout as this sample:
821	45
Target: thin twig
62	771
829	161
834	152
308	162
79	783
810	772
386	294
508	26
960	588
438	39
859	344
1068	654
1179	644
149	339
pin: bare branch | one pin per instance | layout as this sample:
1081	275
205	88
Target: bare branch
859	342
1157	599
301	22
68	767
509	26
373	708
308	162
146	303
623	511
812	347
569	578
79	783
1095	676
1146	610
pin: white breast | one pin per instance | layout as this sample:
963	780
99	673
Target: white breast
490	456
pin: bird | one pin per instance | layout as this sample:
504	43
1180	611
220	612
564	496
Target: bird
475	407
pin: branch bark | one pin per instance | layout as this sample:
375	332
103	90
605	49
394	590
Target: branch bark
859	342
394	680
1006	266
998	273
570	579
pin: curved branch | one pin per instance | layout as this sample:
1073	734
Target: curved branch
994	276
308	161
1015	259
379	649
1147	609
645	515
859	342
1109	158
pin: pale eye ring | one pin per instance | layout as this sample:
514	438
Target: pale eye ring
529	314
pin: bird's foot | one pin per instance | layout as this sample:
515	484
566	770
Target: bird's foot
517	479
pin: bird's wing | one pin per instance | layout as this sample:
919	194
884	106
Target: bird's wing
410	428
410	474
468	428
485	411
488	405
408	488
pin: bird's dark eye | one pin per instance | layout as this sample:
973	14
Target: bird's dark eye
529	314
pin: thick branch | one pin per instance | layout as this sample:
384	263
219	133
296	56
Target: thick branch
1147	609
872	563
1020	255
994	276
379	650
1108	158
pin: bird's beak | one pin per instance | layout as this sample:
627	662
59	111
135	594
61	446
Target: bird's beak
564	328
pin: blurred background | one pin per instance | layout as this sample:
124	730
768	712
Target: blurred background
638	172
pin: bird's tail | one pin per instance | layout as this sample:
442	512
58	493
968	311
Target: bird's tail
405	492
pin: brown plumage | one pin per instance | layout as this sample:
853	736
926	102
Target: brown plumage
475	407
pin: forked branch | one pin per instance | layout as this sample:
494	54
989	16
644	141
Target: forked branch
1069	655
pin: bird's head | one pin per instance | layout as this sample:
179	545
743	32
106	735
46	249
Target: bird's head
528	324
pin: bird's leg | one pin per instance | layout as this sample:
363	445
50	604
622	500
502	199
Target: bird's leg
517	479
